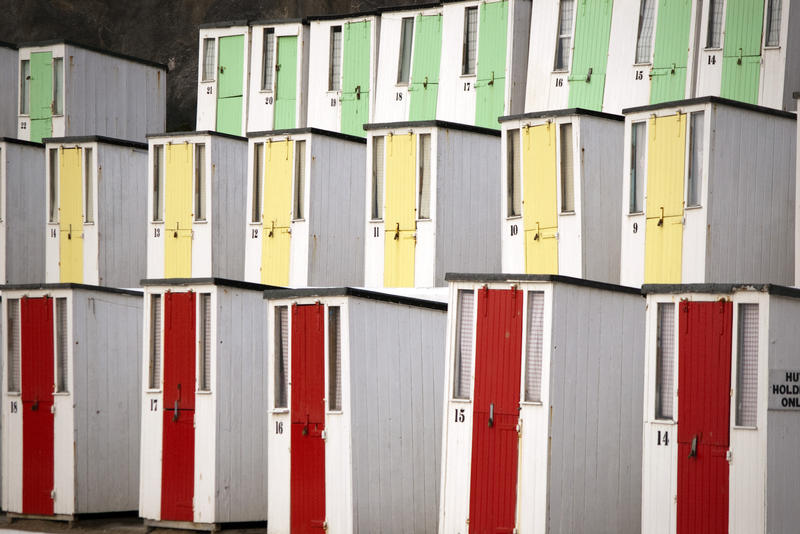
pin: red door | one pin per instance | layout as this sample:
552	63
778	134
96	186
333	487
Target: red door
37	402
493	483
177	464
704	381
307	479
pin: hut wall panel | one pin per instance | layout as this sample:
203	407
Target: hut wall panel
392	100
207	101
226	179
512	245
9	88
152	420
517	57
454	103
623	87
67	438
542	91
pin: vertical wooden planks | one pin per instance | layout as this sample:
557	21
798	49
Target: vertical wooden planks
230	91
424	87
276	220
590	54
540	215
490	82
671	51
41	96
286	83
741	53
356	68
400	212
178	189
70	207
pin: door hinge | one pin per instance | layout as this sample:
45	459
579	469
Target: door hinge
729	456
53	408
53	494
324	435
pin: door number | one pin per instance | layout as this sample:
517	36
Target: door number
376	231
712	59
209	90
559	82
514	229
279	427
459	415
333	102
53	232
635	227
153	405
268	100
639	75
254	233
13	406
663	439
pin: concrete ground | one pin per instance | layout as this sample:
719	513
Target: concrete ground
100	525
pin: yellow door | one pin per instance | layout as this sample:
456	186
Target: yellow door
276	238
539	200
400	215
70	206
664	209
178	211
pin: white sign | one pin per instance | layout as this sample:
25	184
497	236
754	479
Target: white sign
784	389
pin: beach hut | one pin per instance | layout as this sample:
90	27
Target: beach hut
95	202
708	193
305	220
561	179
70	423
194	206
432	202
203	404
67	89
542	406
9	62
354	425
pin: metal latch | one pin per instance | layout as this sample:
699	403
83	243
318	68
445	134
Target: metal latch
589	75
491	82
324	435
693	452
53	409
729	455
53	494
397	232
491	415
358	92
661	219
425	83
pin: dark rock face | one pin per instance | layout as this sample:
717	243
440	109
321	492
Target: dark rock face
159	30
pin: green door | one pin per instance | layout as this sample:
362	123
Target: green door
590	56
355	77
230	83
741	52
671	52
41	98
490	83
286	83
424	88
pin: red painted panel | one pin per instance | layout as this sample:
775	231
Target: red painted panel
704	378
177	457
37	401
307	479
498	362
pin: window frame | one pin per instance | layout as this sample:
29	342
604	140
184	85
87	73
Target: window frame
24	87
334	75
205	61
157	184
281	349
88	186
562	167
537	359
155	344
200	184
637	195
421	175
738	364
637	60
513	182
53	160
559	36
456	394
257	186
401	55
268	60
768	23
469	64
16	336
57	104
61	346
205	369
299	180
657	413
690	157
378	181
334	371
709	33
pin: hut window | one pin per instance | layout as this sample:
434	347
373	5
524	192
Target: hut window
52	187
714	36
470	47
406	39
665	360
334	359
533	349
567	169
88	185
747	367
463	360
566	11
154	371
13	344
24	86
199	182
158	183
644	40
268	61
425	176
773	32
638	147
258	171
695	178
281	356
377	178
204	384
513	174
58	86
208	59
335	60
299	179
62	346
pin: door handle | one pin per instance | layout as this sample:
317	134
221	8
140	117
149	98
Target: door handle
397	232
305	427
358	92
693	452
661	219
491	415
35	406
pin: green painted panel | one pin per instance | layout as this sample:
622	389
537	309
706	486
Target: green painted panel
286	83
231	66
424	88
671	51
741	52
41	97
590	54
355	77
229	115
490	83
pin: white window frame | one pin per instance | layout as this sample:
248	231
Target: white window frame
637	60
57	104
53	162
455	367
401	52
278	356
268	60
335	78
330	368
205	60
155	347
690	159
299	181
675	351
639	194
465	58
559	36
377	180
513	187
562	167
770	4
24	88
61	345
736	364
157	185
715	46
205	343
200	183
420	170
257	186
89	178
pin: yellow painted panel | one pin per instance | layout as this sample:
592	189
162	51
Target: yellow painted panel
178	211
666	153
400	216
70	211
276	239
539	199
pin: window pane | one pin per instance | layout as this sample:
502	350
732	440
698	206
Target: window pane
88	186
463	360
58	86
268	61
13	343
714	37
335	60
533	349
154	377
24	87
377	178
334	360
567	169
204	366
470	46
208	59
638	147
281	355
695	178
644	41
665	360
258	174
158	182
199	182
425	176
566	11
513	175
404	61
773	23
747	367
61	346
299	179
53	187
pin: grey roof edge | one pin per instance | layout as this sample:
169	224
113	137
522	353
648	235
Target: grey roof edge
275	294
311	130
410	7
227	282
503	277
561	113
278	22
712	100
20	142
96	139
86	287
195	133
714	288
6	44
432	124
223	24
343	16
99	50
